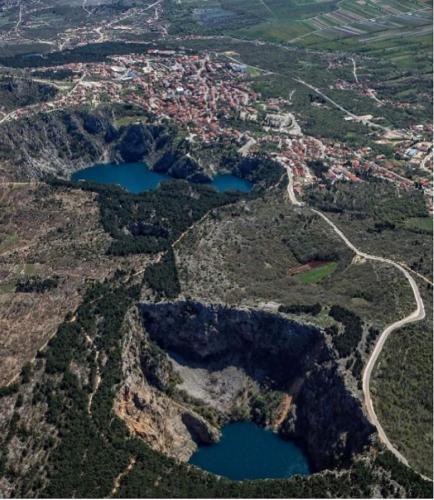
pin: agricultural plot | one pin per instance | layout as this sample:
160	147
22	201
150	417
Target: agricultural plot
356	25
312	23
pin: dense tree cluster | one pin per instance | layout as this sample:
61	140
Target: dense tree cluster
346	342
313	309
374	200
36	284
162	277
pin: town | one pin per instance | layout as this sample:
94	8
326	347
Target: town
209	95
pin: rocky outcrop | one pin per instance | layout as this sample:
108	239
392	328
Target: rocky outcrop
135	144
162	423
181	167
142	403
265	345
326	419
199	430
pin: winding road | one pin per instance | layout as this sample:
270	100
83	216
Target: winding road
417	315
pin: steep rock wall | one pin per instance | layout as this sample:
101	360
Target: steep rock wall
326	419
65	141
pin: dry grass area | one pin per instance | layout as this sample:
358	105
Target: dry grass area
47	233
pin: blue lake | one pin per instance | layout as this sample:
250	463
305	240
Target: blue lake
246	451
136	178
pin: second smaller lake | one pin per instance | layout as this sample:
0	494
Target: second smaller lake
137	178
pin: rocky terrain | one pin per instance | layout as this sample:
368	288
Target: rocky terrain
65	141
52	245
145	405
115	395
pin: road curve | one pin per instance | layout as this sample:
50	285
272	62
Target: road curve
417	315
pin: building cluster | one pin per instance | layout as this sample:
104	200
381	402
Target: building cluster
209	97
195	91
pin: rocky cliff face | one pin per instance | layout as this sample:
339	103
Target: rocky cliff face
144	405
63	142
325	419
265	345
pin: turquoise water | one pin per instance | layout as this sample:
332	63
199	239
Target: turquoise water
136	178
246	451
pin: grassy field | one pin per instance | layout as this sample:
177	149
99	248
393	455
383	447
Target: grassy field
317	274
423	224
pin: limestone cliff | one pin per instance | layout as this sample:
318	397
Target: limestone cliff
164	424
65	141
325	418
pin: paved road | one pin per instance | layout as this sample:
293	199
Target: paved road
344	110
417	315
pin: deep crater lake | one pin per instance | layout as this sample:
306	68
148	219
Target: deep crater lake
137	178
246	451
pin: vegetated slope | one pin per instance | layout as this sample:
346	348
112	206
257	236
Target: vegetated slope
51	244
381	220
54	444
403	390
258	251
18	92
60	436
